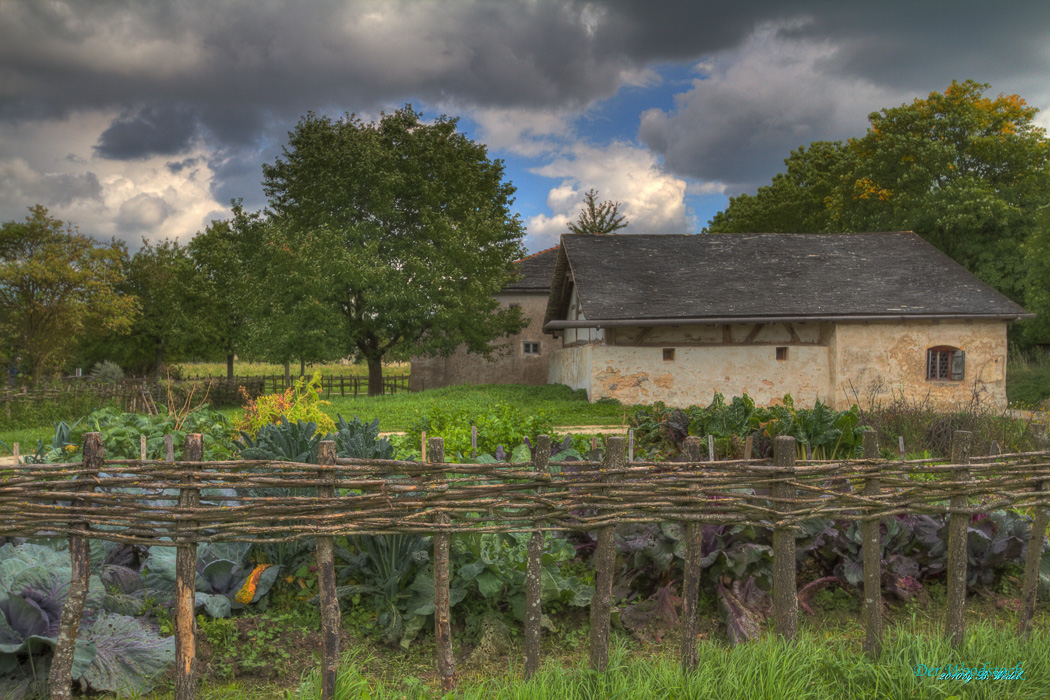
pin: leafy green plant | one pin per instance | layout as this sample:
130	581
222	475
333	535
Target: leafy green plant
114	653
301	402
501	426
384	567
121	433
361	440
284	440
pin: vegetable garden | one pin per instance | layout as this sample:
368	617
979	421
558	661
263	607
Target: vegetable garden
761	510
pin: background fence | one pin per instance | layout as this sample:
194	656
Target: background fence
168	503
130	391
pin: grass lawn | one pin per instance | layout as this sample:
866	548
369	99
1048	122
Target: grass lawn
826	663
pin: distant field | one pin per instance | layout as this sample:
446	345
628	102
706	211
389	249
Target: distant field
257	369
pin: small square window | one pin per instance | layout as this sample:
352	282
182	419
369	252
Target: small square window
515	306
530	348
668	354
782	353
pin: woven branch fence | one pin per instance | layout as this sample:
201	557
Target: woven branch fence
190	501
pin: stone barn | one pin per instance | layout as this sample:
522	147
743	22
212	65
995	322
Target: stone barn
843	318
524	360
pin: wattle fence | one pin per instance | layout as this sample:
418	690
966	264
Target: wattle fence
190	501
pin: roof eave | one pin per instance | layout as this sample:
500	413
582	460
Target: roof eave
556	325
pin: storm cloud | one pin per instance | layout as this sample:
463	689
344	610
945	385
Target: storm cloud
203	93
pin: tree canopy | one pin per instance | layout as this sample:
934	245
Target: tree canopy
402	227
57	285
598	218
969	173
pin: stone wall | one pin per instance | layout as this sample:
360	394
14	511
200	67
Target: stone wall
512	367
837	363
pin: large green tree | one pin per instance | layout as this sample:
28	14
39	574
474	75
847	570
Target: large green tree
968	173
228	306
57	285
406	228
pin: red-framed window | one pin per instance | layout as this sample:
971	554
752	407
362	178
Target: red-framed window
945	363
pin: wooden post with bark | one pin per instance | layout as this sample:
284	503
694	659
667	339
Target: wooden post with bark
871	550
534	569
186	580
785	594
326	582
60	678
604	562
958	524
442	579
691	581
1033	559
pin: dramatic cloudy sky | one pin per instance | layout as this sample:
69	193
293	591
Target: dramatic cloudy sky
144	118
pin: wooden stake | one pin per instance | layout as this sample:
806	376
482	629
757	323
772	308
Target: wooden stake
186	583
534	570
955	624
604	561
749	446
60	677
691	581
710	448
630	445
423	446
142	447
1033	559
900	446
785	595
442	606
473	441
871	550
326	584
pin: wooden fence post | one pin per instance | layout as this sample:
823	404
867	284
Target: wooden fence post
1033	558
604	562
691	580
442	607
326	583
60	678
954	624
785	595
871	550
534	569
186	581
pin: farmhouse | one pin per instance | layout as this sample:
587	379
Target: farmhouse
841	318
524	356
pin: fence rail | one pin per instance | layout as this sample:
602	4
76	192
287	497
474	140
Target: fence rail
190	502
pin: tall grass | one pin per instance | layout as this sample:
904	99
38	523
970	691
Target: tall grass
1028	380
813	668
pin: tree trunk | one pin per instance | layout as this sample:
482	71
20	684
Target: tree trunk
287	374
158	361
375	376
302	367
229	367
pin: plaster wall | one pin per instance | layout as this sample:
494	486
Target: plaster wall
513	366
572	367
874	362
642	375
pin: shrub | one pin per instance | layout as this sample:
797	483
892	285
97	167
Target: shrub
301	402
106	373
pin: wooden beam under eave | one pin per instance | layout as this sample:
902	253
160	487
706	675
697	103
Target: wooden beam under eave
794	335
754	333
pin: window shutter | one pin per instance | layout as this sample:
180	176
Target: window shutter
958	364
